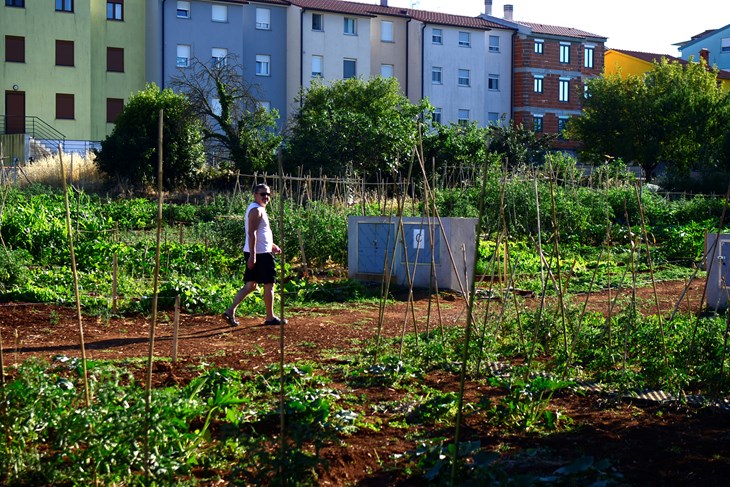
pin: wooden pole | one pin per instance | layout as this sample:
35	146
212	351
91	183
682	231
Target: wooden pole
150	354
115	270
175	329
87	399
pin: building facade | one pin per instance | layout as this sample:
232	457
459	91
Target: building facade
69	66
713	45
551	65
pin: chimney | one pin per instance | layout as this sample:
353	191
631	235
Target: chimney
488	7
508	10
383	3
705	54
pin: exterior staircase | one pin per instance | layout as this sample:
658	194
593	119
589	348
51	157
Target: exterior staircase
41	138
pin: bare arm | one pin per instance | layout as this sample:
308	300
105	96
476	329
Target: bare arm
254	219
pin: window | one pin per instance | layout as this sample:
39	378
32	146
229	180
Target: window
537	84
115	59
565	52
464	77
263	65
437	36
493	118
386	70
317	22
183	56
114	107
463	118
183	10
537	123
386	31
725	44
464	39
436	115
265	105
64	5
588	56
493	43
561	125
64	106
350	26
15	3
437	75
14	49
349	68
64	53
115	9
219	13
218	57
316	66
563	87
263	18
539	46
493	82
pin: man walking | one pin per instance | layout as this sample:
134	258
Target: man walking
258	252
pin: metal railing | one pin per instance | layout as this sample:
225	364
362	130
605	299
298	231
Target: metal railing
47	137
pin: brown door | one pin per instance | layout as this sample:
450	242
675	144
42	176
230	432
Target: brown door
14	112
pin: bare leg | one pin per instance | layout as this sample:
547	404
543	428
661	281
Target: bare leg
247	289
269	301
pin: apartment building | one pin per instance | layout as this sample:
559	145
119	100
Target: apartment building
251	34
465	67
551	65
69	66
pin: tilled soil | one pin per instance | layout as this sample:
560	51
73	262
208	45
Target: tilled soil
646	443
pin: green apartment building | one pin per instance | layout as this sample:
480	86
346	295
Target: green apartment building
68	67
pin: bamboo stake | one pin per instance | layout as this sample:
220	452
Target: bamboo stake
175	329
556	238
87	398
645	234
282	374
467	339
150	354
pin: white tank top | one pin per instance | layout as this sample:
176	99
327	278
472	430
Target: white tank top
264	237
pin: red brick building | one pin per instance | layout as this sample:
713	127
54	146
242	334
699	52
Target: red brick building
551	65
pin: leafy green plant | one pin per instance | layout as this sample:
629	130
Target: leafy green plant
525	407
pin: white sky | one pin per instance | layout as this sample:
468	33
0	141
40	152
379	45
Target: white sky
636	25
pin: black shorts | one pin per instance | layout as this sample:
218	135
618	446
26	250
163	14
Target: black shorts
263	272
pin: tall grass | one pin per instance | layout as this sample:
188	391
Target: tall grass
81	171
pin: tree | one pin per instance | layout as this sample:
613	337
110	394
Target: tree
130	151
455	145
229	107
518	145
367	124
670	114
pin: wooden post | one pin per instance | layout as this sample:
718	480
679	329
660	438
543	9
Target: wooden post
175	328
114	283
301	249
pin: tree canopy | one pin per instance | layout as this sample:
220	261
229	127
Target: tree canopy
672	114
130	154
367	124
229	107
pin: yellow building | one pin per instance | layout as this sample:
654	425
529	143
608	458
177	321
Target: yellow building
68	67
637	63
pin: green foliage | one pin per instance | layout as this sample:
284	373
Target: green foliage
130	153
674	114
368	125
518	145
455	145
236	127
525	407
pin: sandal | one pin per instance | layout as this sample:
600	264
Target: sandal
230	319
275	321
